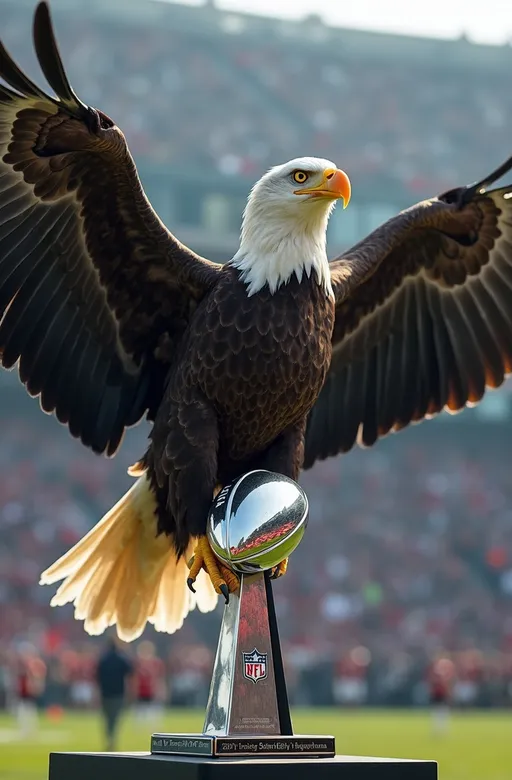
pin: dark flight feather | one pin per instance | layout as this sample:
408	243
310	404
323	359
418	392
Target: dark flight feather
49	59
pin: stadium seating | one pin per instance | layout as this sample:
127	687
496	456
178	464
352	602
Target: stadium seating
409	550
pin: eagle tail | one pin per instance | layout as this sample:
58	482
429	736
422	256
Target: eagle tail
122	573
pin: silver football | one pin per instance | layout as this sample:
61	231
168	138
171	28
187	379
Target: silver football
257	521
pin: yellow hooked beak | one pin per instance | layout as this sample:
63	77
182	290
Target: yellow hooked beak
335	184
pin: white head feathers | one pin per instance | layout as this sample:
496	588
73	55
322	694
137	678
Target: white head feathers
284	231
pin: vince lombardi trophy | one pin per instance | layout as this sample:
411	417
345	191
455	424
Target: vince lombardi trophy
254	523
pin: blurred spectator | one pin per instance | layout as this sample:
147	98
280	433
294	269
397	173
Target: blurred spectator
440	680
149	682
82	675
113	670
30	676
351	677
190	668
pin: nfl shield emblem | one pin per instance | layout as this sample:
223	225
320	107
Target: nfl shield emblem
255	665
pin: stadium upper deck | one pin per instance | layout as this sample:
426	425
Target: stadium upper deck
227	95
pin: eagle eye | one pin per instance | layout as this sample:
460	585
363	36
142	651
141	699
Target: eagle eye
300	176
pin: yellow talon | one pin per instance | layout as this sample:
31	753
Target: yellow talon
223	579
280	569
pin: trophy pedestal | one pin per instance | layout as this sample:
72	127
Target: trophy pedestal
289	747
133	766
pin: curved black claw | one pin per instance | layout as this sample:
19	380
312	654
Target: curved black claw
190	584
225	592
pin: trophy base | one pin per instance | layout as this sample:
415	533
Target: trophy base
133	766
301	746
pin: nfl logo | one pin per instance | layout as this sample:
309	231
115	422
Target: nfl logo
255	666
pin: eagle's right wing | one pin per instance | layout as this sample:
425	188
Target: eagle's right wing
423	318
93	287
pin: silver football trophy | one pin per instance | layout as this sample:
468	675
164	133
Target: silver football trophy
254	523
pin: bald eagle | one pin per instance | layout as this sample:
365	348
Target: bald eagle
272	360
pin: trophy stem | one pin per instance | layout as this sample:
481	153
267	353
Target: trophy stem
248	689
283	706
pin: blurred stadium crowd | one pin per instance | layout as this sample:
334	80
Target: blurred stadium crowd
199	88
409	550
408	554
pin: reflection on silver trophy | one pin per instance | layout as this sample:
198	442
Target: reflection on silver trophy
257	521
254	523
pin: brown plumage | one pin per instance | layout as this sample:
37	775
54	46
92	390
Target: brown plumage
109	318
245	377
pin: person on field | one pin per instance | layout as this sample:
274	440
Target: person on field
441	677
30	685
112	674
149	682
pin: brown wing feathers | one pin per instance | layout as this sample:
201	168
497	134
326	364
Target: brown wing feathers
90	279
423	319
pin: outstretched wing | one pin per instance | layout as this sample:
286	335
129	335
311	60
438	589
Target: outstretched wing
94	290
423	318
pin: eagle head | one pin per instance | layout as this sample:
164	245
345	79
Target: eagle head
285	222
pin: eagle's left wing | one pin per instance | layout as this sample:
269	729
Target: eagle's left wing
95	292
423	318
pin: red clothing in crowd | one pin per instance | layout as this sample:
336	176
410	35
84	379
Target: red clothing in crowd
349	667
440	679
149	678
30	677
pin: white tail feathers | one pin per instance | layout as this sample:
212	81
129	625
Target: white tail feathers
122	573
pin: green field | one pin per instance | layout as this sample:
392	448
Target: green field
478	746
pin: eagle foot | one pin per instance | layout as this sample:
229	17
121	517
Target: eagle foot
223	579
279	570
